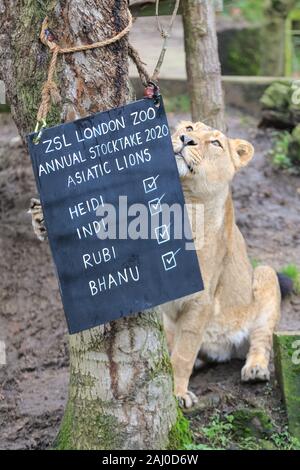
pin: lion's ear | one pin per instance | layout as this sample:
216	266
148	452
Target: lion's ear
242	152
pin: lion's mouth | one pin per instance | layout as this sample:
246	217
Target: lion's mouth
181	155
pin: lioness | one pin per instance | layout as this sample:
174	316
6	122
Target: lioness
236	314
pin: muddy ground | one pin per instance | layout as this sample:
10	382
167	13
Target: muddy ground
33	384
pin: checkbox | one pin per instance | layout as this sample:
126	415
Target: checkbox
150	184
169	260
155	205
162	234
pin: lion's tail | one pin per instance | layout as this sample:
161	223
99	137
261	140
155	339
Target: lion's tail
286	285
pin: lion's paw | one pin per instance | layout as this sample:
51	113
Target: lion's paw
37	218
255	373
187	400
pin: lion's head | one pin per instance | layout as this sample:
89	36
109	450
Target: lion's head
206	159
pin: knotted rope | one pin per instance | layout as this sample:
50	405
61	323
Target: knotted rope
165	34
50	91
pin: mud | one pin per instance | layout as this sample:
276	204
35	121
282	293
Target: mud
33	384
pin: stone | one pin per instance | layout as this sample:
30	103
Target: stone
280	105
277	96
251	423
204	403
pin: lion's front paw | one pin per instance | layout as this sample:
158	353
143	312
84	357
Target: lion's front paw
255	372
187	400
37	218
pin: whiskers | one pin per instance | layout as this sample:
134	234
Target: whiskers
193	160
190	156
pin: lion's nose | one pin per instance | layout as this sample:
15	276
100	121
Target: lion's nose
186	140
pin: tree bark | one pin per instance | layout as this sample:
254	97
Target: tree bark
120	393
202	62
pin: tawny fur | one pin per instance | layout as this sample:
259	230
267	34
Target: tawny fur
236	314
37	218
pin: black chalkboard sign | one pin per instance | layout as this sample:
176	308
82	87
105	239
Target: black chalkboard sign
106	183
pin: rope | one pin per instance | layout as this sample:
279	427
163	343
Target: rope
50	91
135	57
165	35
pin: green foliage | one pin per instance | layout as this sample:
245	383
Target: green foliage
288	374
280	101
242	57
251	10
284	441
180	436
277	96
293	272
277	441
280	152
177	104
236	431
217	434
63	440
281	109
251	423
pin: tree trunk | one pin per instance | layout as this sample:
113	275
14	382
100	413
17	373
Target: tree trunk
202	62
120	393
273	37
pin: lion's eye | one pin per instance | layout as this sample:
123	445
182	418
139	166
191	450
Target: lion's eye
216	143
189	128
